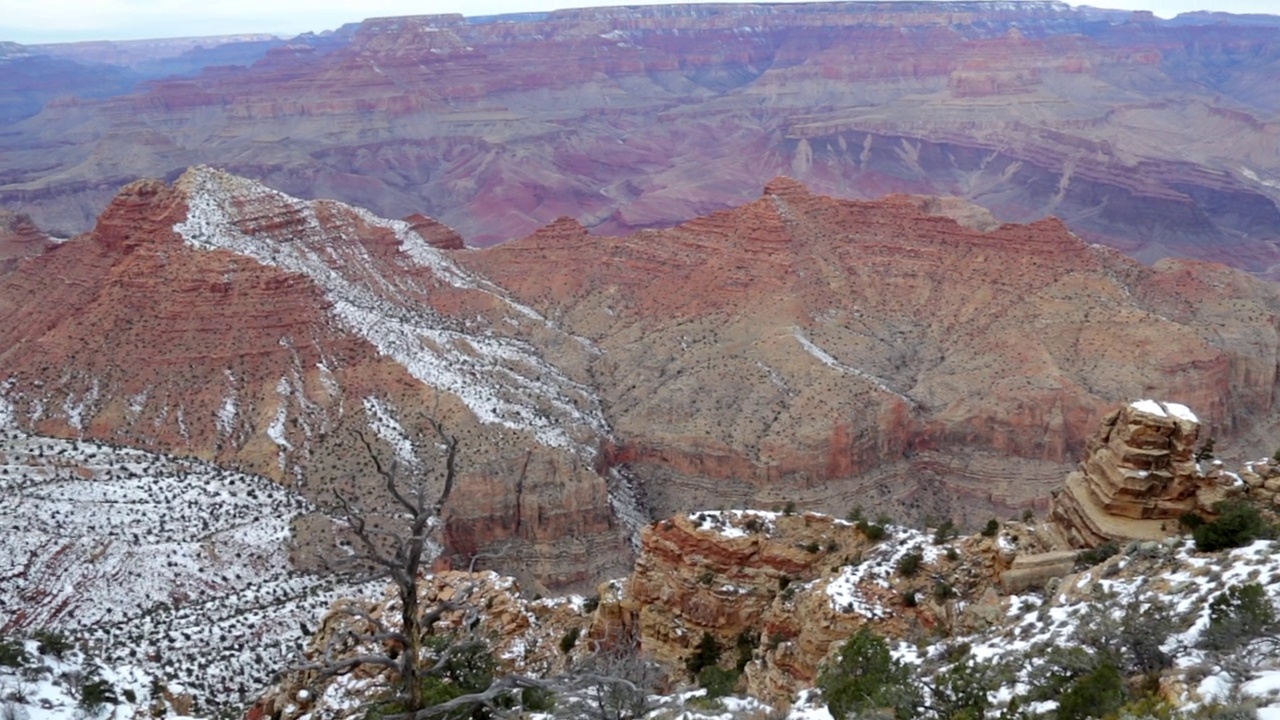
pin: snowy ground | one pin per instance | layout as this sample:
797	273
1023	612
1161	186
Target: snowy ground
166	567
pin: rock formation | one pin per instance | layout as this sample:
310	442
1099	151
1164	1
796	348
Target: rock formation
524	636
1139	473
777	591
830	353
635	117
19	238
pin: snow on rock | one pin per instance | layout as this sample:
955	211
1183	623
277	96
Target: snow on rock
229	409
502	380
1148	406
44	688
732	523
390	431
1165	409
877	567
826	359
1181	411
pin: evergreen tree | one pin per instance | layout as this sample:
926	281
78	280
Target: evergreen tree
866	679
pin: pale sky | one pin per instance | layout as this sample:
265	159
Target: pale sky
33	21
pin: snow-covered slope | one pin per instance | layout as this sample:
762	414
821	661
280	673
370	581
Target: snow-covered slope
502	379
172	566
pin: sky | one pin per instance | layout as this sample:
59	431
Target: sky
34	21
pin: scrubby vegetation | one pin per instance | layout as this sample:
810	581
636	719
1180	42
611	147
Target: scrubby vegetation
1238	523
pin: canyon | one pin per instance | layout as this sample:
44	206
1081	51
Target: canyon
1156	137
908	355
682	285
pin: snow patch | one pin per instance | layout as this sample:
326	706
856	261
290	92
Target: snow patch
167	567
228	411
1165	409
826	359
6	410
391	432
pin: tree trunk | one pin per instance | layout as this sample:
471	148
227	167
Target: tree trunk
409	660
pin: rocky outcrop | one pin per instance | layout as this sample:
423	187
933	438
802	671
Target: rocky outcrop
778	591
635	117
1139	475
1034	570
20	238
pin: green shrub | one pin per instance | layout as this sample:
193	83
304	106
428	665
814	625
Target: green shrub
569	640
1093	695
1190	520
1094	556
96	692
909	564
942	591
952	554
706	654
717	681
12	653
872	531
747	643
1238	523
1239	614
910	598
1206	450
537	699
946	531
49	642
812	548
789	508
470	668
991	528
590	604
865	678
963	691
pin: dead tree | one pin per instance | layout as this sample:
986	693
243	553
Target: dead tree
609	686
396	555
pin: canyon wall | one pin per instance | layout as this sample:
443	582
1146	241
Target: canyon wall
627	118
836	353
910	355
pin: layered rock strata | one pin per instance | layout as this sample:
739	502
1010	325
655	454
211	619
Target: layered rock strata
20	238
634	117
835	353
778	591
799	348
1139	475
